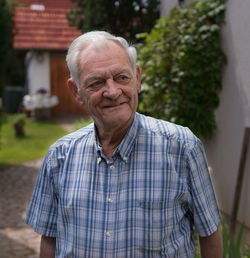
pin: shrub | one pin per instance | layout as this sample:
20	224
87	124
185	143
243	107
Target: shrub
182	62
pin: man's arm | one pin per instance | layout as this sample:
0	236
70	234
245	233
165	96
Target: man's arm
48	247
211	246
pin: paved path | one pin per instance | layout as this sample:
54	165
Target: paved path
17	240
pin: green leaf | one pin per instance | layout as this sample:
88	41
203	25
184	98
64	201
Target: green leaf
182	60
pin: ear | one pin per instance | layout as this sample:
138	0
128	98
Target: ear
74	91
138	78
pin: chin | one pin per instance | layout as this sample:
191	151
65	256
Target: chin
118	120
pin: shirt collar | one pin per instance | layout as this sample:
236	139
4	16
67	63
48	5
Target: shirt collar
128	142
125	147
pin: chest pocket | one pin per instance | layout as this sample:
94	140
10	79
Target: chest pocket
161	216
155	225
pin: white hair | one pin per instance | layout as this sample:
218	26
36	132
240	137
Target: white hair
95	38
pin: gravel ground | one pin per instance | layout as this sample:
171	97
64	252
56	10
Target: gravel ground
17	240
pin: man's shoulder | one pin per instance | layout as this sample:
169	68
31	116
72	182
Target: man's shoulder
167	129
70	145
71	138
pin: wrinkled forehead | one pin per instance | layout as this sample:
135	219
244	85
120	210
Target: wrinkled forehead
94	49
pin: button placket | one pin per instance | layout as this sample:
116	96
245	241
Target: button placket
110	200
112	167
108	234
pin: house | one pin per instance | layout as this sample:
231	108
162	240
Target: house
225	151
42	30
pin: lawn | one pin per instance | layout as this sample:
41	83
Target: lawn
38	137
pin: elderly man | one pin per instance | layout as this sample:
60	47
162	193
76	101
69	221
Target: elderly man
127	185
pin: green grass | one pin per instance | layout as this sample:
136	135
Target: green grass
38	137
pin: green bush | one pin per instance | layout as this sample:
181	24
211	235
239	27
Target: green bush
5	47
182	62
5	39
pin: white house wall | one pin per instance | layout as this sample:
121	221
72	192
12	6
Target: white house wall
233	115
38	71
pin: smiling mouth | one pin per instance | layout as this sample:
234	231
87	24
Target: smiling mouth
115	106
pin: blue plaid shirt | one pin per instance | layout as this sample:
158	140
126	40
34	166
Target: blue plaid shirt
142	203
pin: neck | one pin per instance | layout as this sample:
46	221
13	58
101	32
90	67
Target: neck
111	138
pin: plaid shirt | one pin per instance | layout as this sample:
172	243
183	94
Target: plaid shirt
142	203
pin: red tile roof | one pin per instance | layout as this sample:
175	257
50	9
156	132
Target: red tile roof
48	29
49	3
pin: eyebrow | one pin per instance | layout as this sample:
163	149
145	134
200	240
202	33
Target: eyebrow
92	79
123	71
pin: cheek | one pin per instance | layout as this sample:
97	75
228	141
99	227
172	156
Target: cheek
91	99
132	94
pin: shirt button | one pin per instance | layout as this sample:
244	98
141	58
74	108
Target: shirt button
108	234
99	160
110	200
125	158
112	167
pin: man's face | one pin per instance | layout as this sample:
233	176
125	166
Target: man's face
108	86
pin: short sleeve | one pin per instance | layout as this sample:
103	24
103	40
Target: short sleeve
42	212
203	206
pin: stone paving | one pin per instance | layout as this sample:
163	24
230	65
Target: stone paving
17	240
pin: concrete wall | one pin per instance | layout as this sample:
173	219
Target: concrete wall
38	71
233	114
167	5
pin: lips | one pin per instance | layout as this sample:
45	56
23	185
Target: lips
113	105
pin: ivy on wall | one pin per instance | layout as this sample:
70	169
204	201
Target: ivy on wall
182	63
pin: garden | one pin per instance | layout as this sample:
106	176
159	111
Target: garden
31	144
176	55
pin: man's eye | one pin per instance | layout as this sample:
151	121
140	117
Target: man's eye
122	78
96	84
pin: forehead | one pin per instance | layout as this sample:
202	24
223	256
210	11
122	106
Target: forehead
109	55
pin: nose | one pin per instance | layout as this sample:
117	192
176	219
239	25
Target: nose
111	91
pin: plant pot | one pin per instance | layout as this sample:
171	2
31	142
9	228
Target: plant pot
19	129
